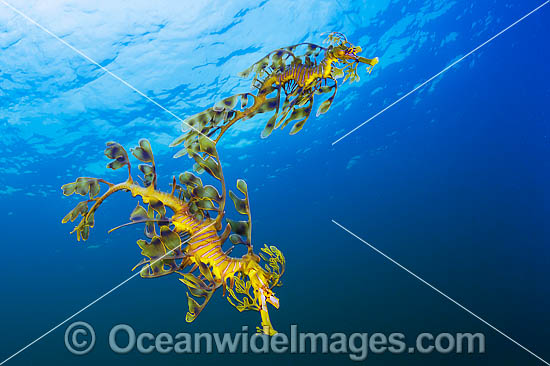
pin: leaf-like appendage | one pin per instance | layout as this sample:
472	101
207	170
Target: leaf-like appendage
276	264
298	113
189	179
90	220
80	209
297	127
245	73
240	227
206	205
208	146
143	152
197	292
227	103
155	251
246	301
269	126
146	169
197	168
205	270
346	77
115	151
200	198
324	89
241	205
207	192
178	140
117	164
241	186
158	206
337	73
209	164
244	99
148	173
85	232
68	188
171	240
150	226
82	230
324	107
236	239
194	309
193	209
192	281
198	289
82	186
94	188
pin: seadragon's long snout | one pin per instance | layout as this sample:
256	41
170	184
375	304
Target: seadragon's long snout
368	61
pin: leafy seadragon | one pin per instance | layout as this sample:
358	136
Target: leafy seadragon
283	72
189	241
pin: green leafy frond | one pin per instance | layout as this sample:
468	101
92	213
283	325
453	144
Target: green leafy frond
161	253
144	153
241	229
82	186
245	300
198	289
80	209
275	263
83	228
115	151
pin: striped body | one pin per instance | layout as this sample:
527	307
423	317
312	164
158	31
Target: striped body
204	242
205	245
305	75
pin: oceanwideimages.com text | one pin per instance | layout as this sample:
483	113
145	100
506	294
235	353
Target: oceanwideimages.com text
80	339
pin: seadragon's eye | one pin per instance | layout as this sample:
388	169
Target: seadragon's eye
353	51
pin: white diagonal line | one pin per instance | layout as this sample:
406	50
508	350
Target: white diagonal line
100	66
100	298
442	71
438	291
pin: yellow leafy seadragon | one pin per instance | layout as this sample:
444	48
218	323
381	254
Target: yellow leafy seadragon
299	77
188	240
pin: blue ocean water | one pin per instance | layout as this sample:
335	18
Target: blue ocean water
451	182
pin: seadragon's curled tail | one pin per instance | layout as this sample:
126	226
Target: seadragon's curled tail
189	241
286	83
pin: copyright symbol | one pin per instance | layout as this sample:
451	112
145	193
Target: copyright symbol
79	338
